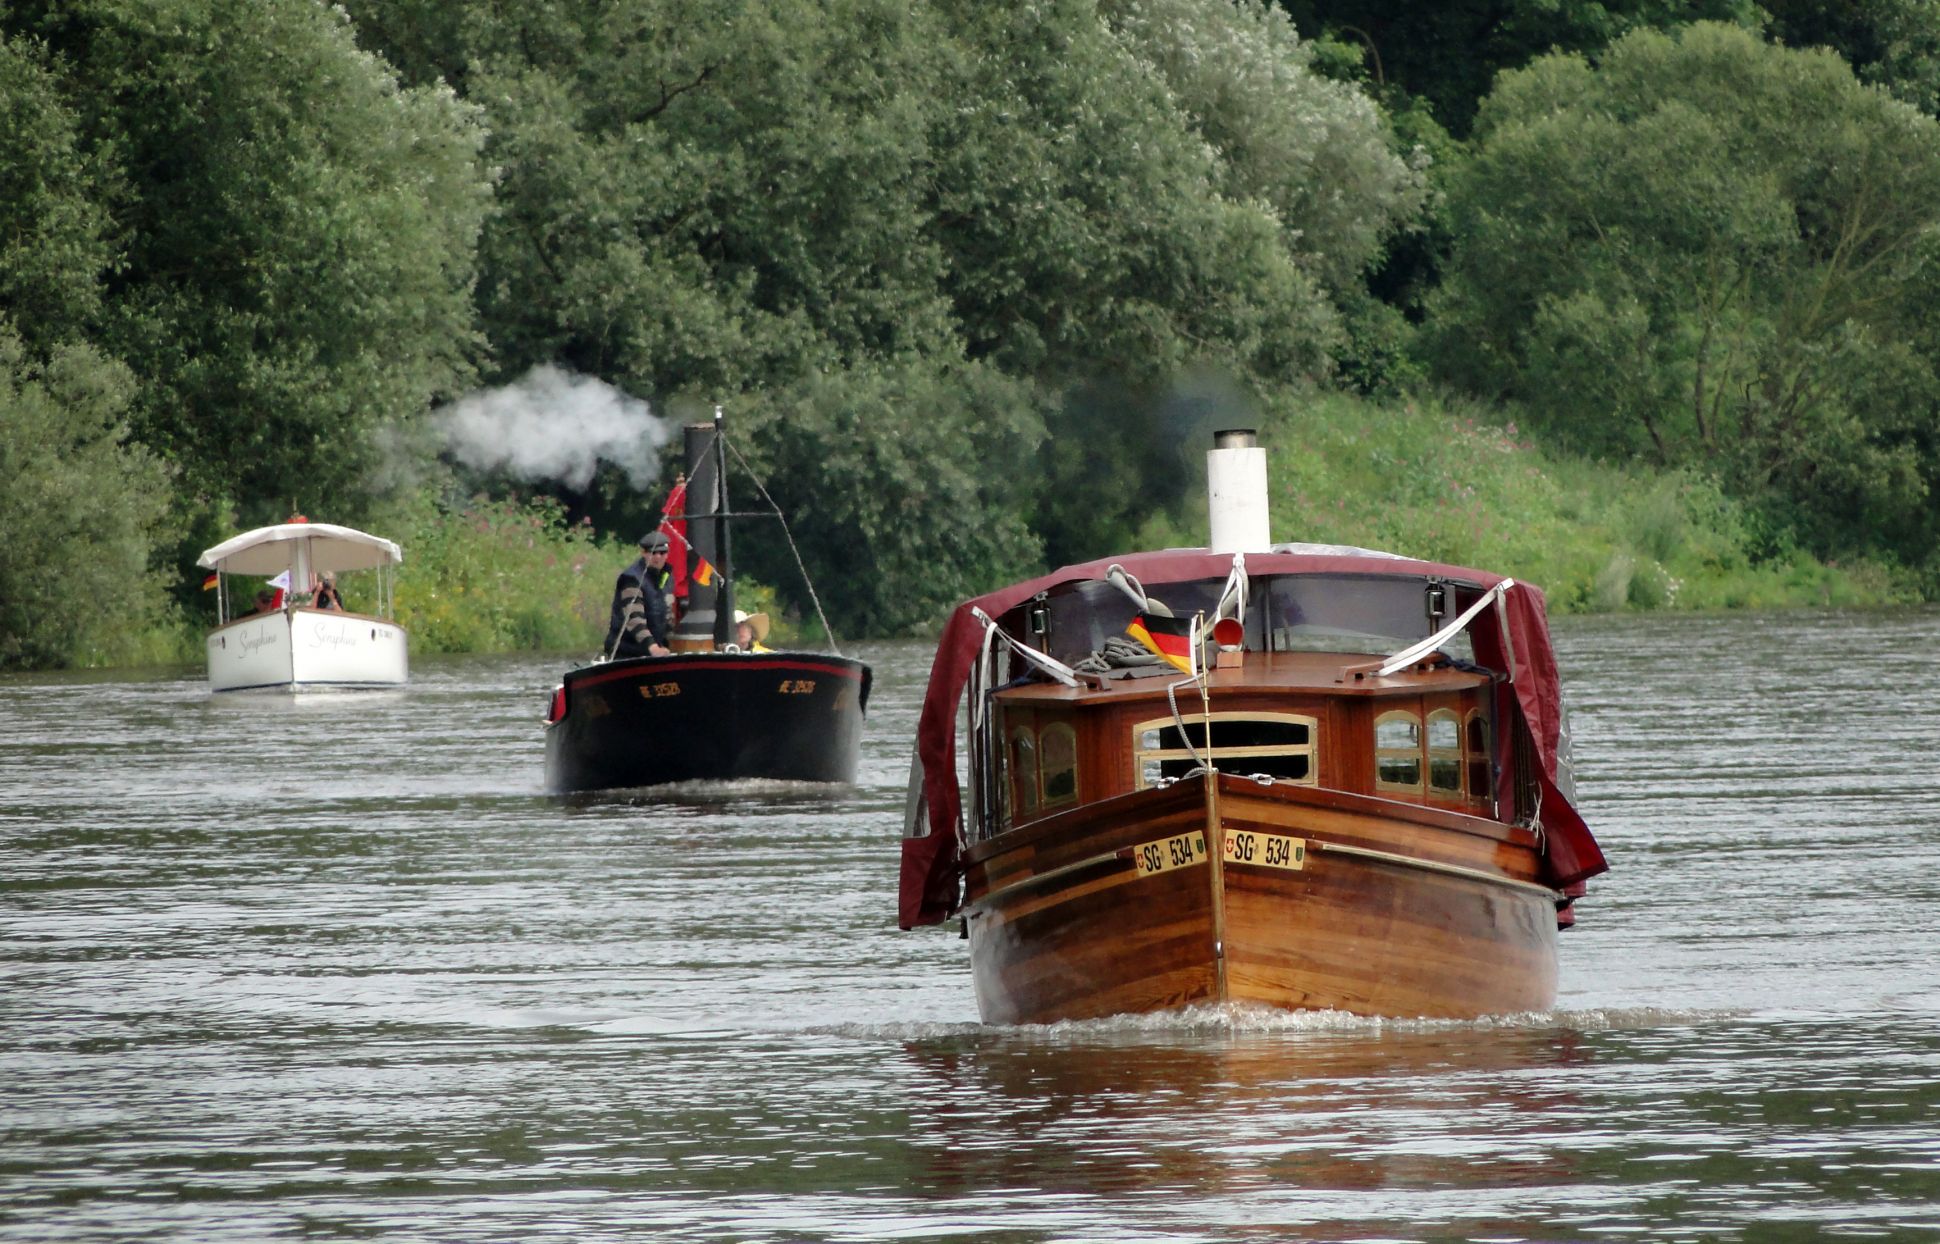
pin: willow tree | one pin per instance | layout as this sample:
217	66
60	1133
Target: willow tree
293	236
1706	249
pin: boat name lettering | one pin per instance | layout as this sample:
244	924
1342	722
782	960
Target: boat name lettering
1177	851
798	686
249	643
1265	850
658	690
332	635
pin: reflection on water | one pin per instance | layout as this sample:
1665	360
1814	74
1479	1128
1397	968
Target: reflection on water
332	966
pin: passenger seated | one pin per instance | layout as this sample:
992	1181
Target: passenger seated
749	630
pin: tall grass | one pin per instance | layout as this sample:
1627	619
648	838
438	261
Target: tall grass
499	575
1449	482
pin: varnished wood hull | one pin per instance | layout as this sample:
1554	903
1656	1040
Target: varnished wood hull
1393	909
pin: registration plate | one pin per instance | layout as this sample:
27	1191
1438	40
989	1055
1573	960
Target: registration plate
1167	853
1265	850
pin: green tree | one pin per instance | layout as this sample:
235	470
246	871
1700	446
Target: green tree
80	508
294	236
53	231
1894	44
905	485
1448	54
1708	250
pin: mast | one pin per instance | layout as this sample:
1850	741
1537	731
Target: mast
724	600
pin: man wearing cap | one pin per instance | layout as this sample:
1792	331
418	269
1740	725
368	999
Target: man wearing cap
640	616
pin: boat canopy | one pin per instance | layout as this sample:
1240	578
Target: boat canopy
320	546
1509	635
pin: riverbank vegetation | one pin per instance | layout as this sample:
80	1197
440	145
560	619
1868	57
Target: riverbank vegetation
1631	309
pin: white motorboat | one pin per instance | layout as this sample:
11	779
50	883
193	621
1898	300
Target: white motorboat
298	645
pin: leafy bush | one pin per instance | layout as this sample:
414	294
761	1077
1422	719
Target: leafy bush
496	575
82	511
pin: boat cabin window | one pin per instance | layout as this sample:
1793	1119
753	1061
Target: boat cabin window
1397	751
1451	751
1040	770
1058	764
1373	614
1476	754
1083	618
1444	752
1279	745
1352	613
1023	775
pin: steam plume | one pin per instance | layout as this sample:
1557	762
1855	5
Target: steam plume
554	425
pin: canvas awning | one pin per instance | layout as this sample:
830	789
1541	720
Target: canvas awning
319	546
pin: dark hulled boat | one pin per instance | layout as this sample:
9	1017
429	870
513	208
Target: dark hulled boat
1355	796
708	711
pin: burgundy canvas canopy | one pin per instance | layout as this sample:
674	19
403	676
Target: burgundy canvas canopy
929	880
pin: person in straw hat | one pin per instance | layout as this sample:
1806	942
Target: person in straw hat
750	630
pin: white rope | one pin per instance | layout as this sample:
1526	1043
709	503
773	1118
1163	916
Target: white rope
981	672
1414	652
1235	591
1044	661
1125	582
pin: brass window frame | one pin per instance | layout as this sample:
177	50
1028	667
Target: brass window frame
1417	753
1310	749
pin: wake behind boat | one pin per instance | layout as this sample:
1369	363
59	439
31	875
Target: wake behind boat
1321	778
294	643
713	708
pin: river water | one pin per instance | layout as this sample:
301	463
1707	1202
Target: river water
331	967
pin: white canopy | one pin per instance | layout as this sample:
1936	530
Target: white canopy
286	546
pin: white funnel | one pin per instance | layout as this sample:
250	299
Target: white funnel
1236	493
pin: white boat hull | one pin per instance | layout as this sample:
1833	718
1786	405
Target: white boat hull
300	647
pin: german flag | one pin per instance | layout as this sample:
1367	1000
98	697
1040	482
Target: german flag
703	572
209	583
1170	638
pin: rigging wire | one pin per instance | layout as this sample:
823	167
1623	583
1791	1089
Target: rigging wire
790	537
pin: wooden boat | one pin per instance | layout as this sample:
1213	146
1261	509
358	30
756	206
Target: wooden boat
295	646
1356	796
710	710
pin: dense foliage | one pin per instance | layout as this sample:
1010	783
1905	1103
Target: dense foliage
1708	251
972	281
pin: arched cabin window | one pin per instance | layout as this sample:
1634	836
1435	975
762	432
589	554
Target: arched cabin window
1023	775
1280	745
1057	760
1475	754
1397	751
1445	753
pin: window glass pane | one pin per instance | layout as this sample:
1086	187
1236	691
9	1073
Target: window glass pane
1443	732
1286	768
1059	764
1397	731
1399	770
1023	771
1247	733
1445	774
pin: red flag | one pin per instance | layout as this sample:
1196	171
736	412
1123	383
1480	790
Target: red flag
1170	638
673	521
